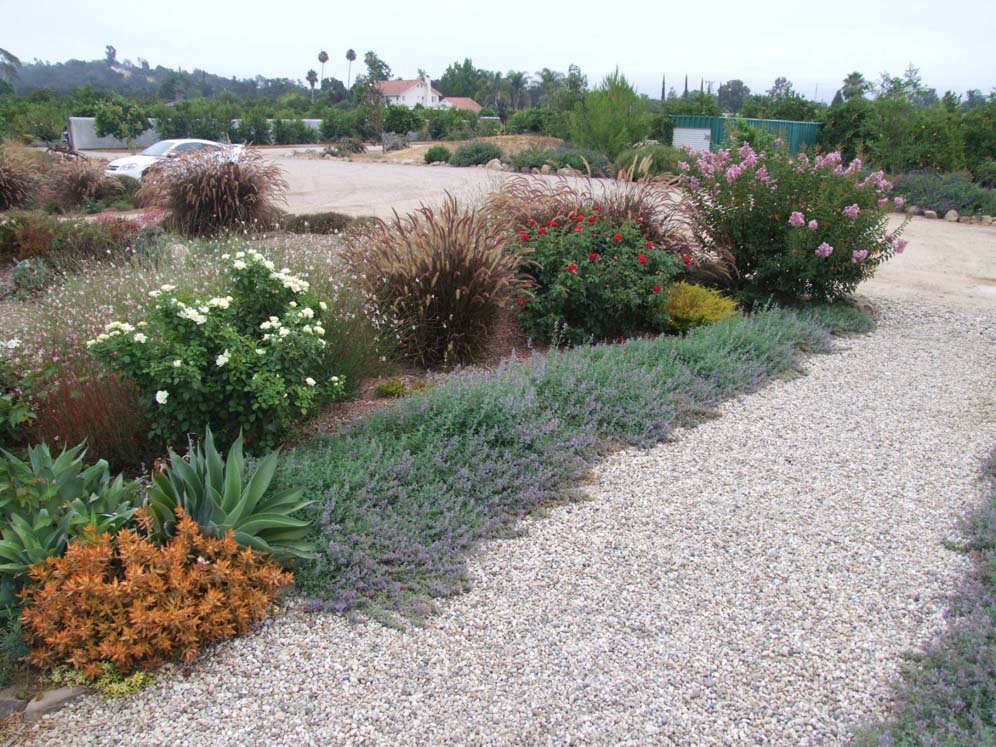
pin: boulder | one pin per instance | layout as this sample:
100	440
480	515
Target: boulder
987	220
568	171
951	216
495	164
914	210
932	214
545	168
10	703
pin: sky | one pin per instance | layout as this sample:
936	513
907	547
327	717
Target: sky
951	43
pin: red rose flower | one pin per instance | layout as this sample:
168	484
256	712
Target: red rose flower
571	214
571	268
593	256
650	245
524	236
657	289
686	259
598	207
521	301
579	219
579	229
639	219
642	259
532	222
593	218
617	237
552	223
541	231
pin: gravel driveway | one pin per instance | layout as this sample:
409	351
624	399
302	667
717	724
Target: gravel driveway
753	582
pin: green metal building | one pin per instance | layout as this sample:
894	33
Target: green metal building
703	132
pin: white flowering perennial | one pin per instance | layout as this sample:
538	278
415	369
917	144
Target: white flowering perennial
222	359
161	396
291	282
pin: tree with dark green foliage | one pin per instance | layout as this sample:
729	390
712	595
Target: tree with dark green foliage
110	54
123	119
732	94
323	57
854	86
377	69
611	118
9	66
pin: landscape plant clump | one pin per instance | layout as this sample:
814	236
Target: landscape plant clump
690	305
658	159
250	360
475	153
18	181
323	223
123	600
406	492
436	280
594	279
437	154
208	192
797	228
72	182
944	192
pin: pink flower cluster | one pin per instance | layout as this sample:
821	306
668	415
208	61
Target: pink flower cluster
859	256
797	219
824	250
852	211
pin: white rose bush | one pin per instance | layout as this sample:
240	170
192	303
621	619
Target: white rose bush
249	361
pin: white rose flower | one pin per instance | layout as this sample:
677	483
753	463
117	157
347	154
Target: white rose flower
309	381
240	255
306	329
239	264
222	359
226	256
161	396
320	331
266	325
308	313
177	363
323	306
283	331
155	294
140	338
260	351
293	304
167	288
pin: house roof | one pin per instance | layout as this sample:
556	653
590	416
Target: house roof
399	87
462	102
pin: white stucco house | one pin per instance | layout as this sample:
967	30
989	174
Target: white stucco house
410	93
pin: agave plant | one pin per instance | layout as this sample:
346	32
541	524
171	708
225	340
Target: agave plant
47	501
221	497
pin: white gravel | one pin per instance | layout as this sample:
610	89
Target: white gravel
754	582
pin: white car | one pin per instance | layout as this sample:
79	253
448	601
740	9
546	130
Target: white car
135	166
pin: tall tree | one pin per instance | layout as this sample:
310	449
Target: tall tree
323	57
350	56
516	81
9	65
312	78
854	86
732	94
377	69
663	88
782	88
685	94
110	54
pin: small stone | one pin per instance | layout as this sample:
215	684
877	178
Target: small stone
495	164
932	214
951	216
914	210
545	168
966	219
52	700
9	704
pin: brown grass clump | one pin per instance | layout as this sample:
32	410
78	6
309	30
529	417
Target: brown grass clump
18	179
208	192
125	600
437	280
71	182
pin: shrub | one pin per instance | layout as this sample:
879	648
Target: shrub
129	186
475	153
437	280
796	228
943	192
691	305
594	279
62	243
251	360
207	192
18	181
660	215
394	388
15	406
984	173
586	161
323	223
222	497
437	153
72	182
124	600
345	147
653	160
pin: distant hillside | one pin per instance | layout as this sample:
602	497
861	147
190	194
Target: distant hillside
129	79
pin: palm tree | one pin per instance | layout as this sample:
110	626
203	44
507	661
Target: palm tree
312	78
516	81
323	57
9	65
854	86
350	56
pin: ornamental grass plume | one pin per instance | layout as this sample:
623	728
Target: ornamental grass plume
208	192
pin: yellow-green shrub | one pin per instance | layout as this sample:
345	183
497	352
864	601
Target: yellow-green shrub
691	305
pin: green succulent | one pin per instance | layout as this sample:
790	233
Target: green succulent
220	496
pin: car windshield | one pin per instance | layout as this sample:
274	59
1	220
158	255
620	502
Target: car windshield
159	149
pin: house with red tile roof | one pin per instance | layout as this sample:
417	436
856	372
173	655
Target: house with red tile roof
411	93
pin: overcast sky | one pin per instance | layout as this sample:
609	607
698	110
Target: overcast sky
952	42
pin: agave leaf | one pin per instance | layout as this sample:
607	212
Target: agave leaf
257	487
262	522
